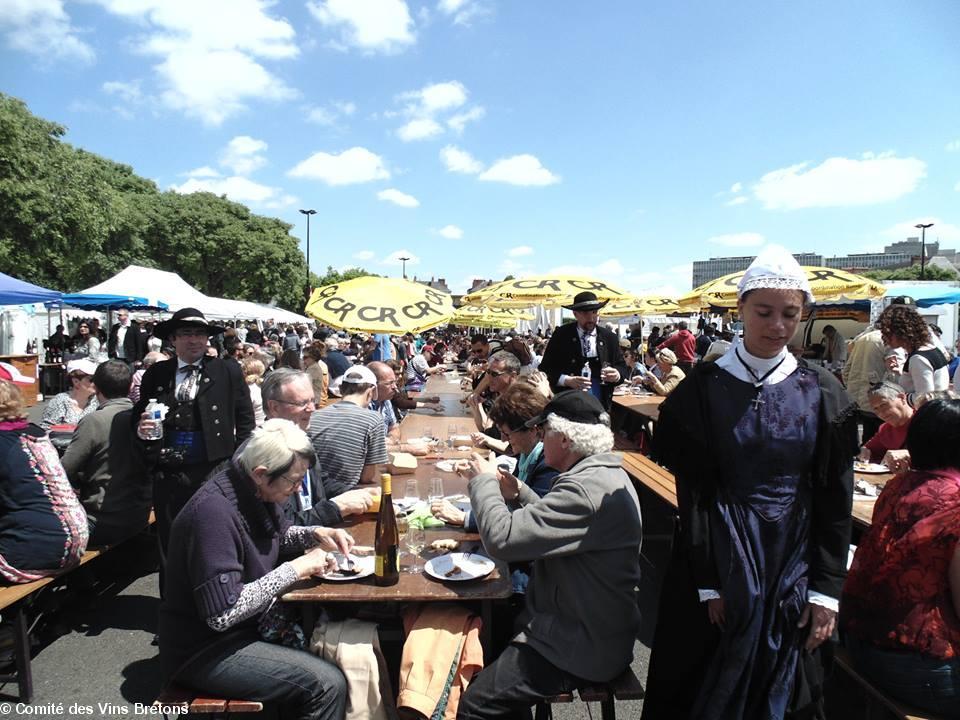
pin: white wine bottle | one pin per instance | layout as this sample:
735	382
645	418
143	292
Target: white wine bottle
386	543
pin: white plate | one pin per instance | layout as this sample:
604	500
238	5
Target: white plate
461	502
869	468
364	566
472	566
448	466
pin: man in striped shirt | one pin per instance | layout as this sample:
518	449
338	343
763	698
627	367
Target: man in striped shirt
349	439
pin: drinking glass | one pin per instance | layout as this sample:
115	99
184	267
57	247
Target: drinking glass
436	490
412	493
415	541
452	436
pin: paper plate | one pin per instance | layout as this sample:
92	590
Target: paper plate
364	566
869	468
471	567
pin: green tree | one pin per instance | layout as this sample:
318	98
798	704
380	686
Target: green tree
931	272
338	276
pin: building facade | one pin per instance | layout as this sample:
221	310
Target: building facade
707	270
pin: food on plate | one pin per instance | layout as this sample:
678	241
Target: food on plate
455	570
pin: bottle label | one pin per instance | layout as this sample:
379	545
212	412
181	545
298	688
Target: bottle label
384	563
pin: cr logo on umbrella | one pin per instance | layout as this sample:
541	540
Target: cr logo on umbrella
374	304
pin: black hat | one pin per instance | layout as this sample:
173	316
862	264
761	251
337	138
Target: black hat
185	317
573	405
586	300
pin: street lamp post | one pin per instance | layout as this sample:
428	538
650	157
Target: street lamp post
923	248
308	213
404	261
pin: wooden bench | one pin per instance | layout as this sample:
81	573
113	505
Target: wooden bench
12	595
626	686
187	700
879	706
652	476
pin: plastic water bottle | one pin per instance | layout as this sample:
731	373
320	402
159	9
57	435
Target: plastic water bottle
156	414
585	373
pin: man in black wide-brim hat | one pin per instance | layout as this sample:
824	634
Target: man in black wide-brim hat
585	343
209	416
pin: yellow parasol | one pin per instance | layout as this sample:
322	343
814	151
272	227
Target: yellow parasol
827	285
481	316
647	305
546	290
380	305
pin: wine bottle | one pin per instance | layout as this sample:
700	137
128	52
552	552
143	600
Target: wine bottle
386	543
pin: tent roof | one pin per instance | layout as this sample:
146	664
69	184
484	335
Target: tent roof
926	295
19	292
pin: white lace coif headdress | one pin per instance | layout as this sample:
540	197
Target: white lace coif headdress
775	268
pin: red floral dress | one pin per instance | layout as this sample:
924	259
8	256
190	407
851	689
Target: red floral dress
897	593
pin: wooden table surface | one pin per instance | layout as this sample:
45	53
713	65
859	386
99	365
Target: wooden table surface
646	405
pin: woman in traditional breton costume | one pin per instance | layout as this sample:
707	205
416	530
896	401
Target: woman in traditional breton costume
762	446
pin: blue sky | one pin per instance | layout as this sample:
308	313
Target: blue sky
620	138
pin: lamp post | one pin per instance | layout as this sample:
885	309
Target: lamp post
404	261
308	213
923	248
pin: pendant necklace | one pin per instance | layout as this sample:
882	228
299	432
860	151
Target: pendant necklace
758	381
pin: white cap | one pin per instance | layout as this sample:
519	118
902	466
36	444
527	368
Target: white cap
87	367
777	269
360	375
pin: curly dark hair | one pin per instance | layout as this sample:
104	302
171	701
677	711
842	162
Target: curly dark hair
906	324
517	404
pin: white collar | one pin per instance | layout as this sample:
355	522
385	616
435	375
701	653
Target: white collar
181	363
583	333
761	366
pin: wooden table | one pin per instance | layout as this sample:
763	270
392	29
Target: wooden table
863	506
26	364
646	405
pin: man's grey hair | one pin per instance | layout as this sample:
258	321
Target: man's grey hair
886	389
273	384
152	357
586	439
332	343
275	446
509	360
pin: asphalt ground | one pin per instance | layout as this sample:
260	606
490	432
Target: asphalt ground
93	656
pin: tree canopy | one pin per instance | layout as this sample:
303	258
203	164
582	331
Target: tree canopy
931	272
70	219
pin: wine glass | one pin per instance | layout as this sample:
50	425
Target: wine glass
415	540
436	490
412	494
452	435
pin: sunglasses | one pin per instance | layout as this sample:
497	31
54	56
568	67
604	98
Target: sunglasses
497	373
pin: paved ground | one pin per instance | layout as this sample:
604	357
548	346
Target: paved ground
96	648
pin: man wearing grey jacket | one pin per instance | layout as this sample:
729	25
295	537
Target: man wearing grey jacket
111	482
583	537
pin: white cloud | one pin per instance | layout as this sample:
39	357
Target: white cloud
746	239
202	172
242	155
370	25
238	189
208	68
364	255
356	165
451	232
840	182
458	122
520	251
331	114
953	146
520	170
127	91
394	258
420	129
461	11
42	28
943	231
460	161
427	107
398	198
739	200
736	187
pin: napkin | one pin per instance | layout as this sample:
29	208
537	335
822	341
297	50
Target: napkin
421	517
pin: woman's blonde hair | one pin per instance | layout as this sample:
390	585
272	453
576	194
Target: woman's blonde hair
11	402
252	370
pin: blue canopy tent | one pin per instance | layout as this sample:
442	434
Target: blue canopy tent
19	292
926	295
96	301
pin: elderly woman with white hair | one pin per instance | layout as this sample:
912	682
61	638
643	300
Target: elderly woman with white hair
223	574
670	373
762	447
583	540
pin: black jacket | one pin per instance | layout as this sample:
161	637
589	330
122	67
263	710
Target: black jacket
324	512
564	356
134	342
226	413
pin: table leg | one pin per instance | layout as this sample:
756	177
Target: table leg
486	630
309	617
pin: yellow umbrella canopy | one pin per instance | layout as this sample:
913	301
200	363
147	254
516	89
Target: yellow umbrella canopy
647	305
547	290
827	284
380	305
480	314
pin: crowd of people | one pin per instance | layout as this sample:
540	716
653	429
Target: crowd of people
270	438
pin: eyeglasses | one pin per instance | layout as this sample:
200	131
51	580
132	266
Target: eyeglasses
498	373
291	483
300	405
192	332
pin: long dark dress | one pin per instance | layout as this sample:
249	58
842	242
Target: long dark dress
748	476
